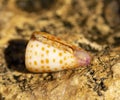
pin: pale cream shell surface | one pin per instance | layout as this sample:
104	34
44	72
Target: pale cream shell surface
41	57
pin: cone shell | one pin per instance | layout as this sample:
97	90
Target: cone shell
47	53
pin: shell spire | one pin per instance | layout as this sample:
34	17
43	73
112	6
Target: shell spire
47	53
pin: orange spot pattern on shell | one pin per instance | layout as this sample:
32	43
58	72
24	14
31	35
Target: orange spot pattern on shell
47	61
35	62
42	67
42	55
45	57
55	69
60	54
47	51
42	61
30	57
43	48
54	50
31	46
53	60
37	45
64	58
61	61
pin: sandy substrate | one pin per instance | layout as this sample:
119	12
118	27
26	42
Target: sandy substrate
92	25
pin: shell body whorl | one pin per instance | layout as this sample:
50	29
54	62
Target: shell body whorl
47	53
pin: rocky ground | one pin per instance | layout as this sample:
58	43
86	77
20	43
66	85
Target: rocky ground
93	25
